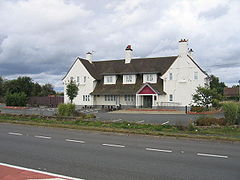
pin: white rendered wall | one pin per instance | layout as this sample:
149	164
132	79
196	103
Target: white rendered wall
78	69
183	85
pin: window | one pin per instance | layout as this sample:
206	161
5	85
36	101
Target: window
129	78
129	97
195	75
170	76
110	79
110	98
170	97
150	78
84	79
86	97
71	79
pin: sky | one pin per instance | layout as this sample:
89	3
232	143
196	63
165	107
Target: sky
42	38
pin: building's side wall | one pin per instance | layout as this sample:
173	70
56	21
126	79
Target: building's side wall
78	70
183	85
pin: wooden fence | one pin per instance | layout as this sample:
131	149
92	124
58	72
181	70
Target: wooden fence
49	101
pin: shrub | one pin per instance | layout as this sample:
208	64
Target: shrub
66	109
180	126
198	109
231	112
208	121
16	99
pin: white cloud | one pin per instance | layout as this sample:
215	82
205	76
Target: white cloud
41	38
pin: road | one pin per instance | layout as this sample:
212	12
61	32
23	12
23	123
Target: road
94	155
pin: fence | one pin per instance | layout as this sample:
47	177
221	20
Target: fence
48	101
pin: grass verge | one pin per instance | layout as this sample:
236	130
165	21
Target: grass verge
226	133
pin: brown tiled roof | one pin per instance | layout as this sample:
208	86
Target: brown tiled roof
137	66
231	92
125	89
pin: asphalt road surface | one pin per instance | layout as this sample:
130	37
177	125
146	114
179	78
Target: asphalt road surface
93	155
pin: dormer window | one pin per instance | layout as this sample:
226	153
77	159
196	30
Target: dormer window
110	79
129	79
150	78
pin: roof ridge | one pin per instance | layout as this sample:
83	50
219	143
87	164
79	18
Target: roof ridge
135	58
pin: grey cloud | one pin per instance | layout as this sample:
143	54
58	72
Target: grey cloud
214	13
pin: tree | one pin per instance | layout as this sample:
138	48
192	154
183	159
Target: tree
215	84
19	85
47	89
72	90
1	87
206	97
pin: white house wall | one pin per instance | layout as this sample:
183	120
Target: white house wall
78	69
183	85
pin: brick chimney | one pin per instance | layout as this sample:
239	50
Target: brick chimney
128	54
89	57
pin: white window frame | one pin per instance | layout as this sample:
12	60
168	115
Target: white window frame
110	79
150	78
129	79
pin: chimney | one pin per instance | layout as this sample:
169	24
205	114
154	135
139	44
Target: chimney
128	54
190	53
183	47
89	57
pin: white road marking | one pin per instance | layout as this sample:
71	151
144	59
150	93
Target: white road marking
73	140
140	121
14	133
41	172
114	145
43	137
212	155
165	122
116	120
158	150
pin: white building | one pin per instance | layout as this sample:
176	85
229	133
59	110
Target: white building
143	82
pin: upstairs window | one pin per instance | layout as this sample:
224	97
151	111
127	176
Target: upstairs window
86	97
170	97
170	76
84	79
129	79
78	79
150	78
109	79
195	75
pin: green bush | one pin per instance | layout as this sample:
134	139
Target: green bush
66	109
231	112
16	99
208	121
